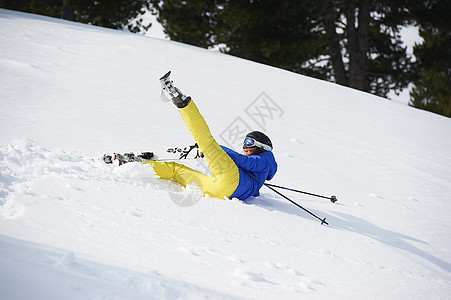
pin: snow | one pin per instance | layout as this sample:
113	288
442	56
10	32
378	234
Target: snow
72	227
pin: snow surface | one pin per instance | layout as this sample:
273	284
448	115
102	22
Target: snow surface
74	228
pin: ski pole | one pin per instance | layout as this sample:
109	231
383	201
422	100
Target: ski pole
323	221
332	198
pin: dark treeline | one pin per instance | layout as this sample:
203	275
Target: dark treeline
110	14
355	43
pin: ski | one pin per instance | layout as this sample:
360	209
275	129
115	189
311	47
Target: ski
172	153
120	159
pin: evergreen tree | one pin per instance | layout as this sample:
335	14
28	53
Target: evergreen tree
263	31
278	33
432	89
111	14
365	47
51	8
189	22
355	43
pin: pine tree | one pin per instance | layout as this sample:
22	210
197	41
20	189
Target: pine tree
190	22
110	14
432	89
106	13
354	43
364	45
50	8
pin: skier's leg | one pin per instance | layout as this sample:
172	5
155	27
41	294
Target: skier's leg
226	176
181	173
218	160
185	175
225	172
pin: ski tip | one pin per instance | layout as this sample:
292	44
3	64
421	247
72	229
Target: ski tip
165	75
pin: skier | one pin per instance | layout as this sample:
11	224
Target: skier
233	174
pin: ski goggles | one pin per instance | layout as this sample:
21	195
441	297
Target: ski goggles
251	143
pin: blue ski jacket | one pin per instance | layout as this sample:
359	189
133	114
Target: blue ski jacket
262	166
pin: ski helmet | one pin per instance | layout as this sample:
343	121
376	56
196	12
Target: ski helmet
260	137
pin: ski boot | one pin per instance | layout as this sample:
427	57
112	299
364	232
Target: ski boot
177	97
145	156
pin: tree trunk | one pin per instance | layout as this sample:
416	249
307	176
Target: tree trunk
68	12
335	49
358	47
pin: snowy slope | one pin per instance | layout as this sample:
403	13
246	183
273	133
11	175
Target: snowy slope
74	228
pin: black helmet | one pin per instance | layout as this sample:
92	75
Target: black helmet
260	137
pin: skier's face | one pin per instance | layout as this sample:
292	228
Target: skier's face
249	151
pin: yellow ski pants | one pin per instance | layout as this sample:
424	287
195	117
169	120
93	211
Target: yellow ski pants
225	175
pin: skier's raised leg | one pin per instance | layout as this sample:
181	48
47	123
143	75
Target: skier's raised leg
225	172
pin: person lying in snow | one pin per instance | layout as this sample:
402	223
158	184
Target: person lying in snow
232	173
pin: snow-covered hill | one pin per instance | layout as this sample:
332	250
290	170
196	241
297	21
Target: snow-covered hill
73	228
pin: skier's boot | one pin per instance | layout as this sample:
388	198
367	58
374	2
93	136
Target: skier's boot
177	97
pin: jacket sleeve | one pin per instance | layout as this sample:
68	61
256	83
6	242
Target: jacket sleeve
254	163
